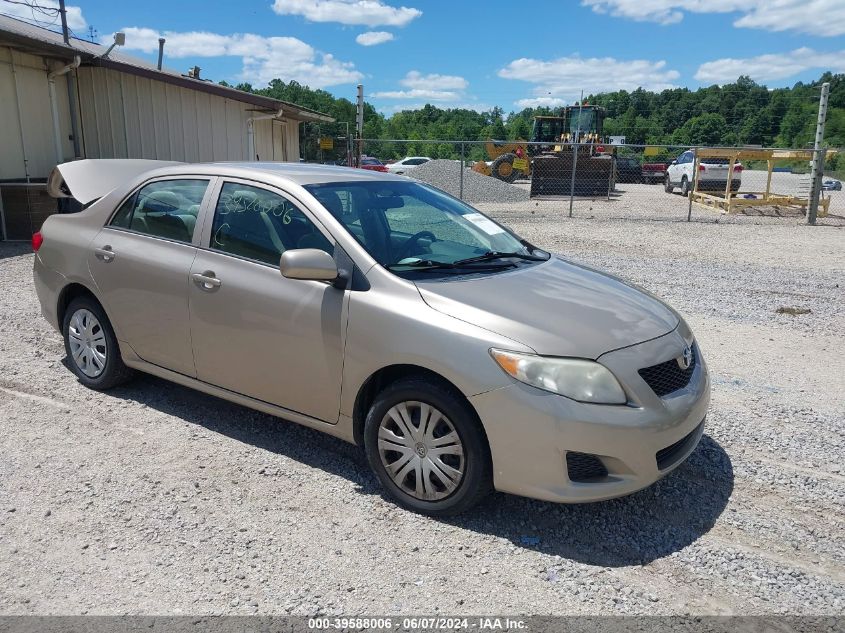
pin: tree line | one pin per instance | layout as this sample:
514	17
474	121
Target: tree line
740	113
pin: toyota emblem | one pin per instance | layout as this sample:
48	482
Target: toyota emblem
686	358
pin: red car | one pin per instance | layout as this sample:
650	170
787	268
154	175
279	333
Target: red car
373	164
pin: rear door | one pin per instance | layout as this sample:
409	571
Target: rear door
676	171
254	331
141	263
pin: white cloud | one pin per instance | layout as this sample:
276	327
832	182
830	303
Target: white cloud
417	93
818	17
367	12
541	102
770	67
432	87
264	58
373	38
415	79
563	78
48	15
458	105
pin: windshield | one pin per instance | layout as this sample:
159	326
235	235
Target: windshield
407	226
581	121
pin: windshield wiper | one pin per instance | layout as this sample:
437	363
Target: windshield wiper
493	255
428	264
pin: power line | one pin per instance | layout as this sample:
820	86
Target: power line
53	12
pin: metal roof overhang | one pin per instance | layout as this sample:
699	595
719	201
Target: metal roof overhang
43	41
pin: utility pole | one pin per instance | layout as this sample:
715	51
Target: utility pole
818	157
63	13
359	125
576	146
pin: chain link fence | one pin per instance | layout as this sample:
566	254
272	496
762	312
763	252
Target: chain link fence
637	181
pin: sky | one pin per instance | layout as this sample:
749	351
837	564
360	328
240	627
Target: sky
466	53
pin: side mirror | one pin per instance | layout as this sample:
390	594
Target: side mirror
308	263
674	162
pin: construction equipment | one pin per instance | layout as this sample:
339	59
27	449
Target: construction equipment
577	160
509	161
567	154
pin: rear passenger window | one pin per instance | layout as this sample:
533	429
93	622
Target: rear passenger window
167	209
258	224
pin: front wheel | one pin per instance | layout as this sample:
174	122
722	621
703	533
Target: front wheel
684	186
91	345
427	448
667	185
502	168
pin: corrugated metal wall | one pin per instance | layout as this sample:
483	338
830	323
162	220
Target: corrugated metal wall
125	116
120	116
26	120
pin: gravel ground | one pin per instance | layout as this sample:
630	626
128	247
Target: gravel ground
446	175
154	499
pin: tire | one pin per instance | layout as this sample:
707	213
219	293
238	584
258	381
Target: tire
417	396
684	187
502	168
87	361
667	185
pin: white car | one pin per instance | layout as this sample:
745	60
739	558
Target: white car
407	164
712	174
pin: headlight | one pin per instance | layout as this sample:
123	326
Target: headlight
582	380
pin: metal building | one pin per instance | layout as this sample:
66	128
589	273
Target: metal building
63	101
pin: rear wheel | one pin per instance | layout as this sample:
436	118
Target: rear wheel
684	186
667	185
427	448
91	345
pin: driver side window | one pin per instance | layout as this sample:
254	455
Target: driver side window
260	225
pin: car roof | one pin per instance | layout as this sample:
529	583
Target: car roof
90	179
298	173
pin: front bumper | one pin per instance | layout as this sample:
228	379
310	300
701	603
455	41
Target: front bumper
530	431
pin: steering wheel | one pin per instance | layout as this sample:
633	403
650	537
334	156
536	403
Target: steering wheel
405	249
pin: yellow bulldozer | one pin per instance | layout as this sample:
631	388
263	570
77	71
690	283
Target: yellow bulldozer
556	142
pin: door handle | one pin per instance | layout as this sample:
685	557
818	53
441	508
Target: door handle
206	280
105	254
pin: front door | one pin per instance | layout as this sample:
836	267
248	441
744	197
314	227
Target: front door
140	262
255	332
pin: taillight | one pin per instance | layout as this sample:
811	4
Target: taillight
737	167
37	241
702	168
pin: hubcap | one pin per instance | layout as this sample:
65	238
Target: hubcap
87	343
421	451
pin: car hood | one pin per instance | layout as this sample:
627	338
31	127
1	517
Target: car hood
557	308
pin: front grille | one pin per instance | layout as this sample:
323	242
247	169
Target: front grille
668	377
584	467
668	456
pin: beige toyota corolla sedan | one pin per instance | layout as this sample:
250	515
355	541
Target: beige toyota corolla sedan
380	310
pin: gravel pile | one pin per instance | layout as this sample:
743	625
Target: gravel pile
156	499
446	175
